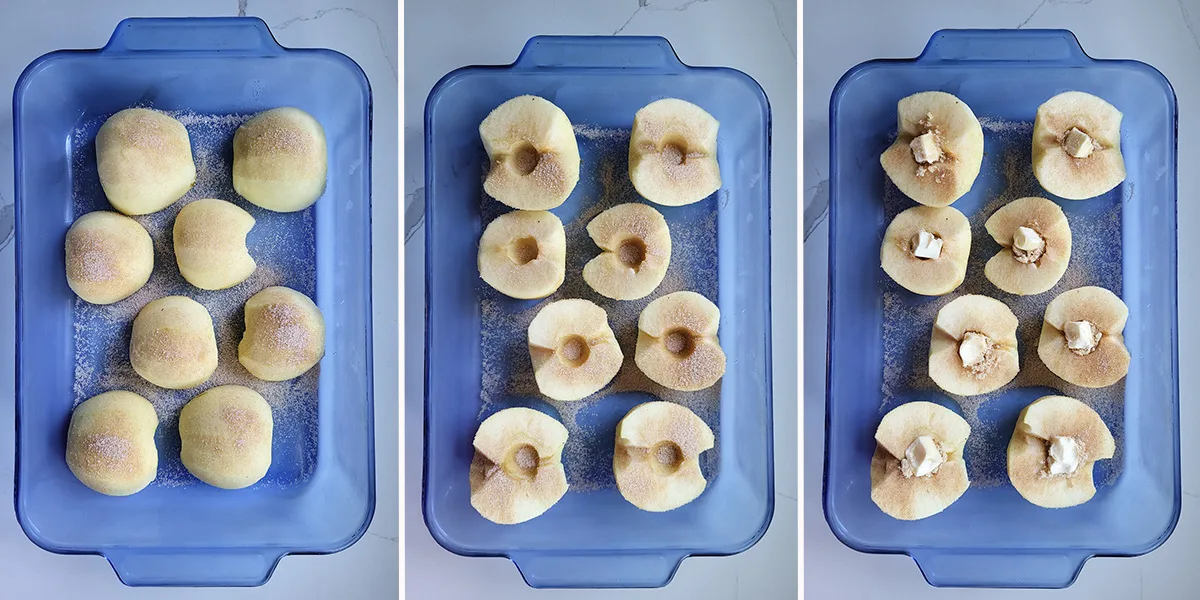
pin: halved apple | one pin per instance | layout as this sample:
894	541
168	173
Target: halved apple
1037	246
533	151
677	344
636	246
973	349
657	457
574	351
523	254
938	149
1053	449
673	153
925	249
918	468
210	244
1077	146
517	473
1082	339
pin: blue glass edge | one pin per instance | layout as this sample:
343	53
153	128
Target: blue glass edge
1014	586
436	532
835	526
614	584
227	584
1034	32
128	22
18	216
533	41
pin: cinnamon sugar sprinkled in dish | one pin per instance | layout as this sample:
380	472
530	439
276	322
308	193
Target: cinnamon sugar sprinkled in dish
907	319
283	246
507	377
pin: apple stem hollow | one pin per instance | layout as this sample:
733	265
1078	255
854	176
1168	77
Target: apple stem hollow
667	457
680	342
525	159
573	350
523	250
632	253
523	462
675	151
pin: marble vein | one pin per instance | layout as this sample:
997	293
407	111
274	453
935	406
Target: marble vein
1035	11
1188	21
782	31
358	13
645	5
7	223
392	539
682	7
1058	2
414	212
627	21
816	209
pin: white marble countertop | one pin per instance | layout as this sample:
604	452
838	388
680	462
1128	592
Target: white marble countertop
363	29
755	36
1162	33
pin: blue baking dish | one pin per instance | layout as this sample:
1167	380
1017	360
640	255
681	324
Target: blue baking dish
319	495
991	537
593	537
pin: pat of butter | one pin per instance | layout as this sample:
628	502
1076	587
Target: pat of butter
925	149
1078	143
923	455
972	348
927	245
1081	335
1027	239
1064	455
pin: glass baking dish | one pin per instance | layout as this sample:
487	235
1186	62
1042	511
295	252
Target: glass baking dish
319	495
593	537
991	537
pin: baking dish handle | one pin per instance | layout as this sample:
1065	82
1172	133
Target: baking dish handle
623	52
227	35
1033	46
957	568
199	567
565	570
